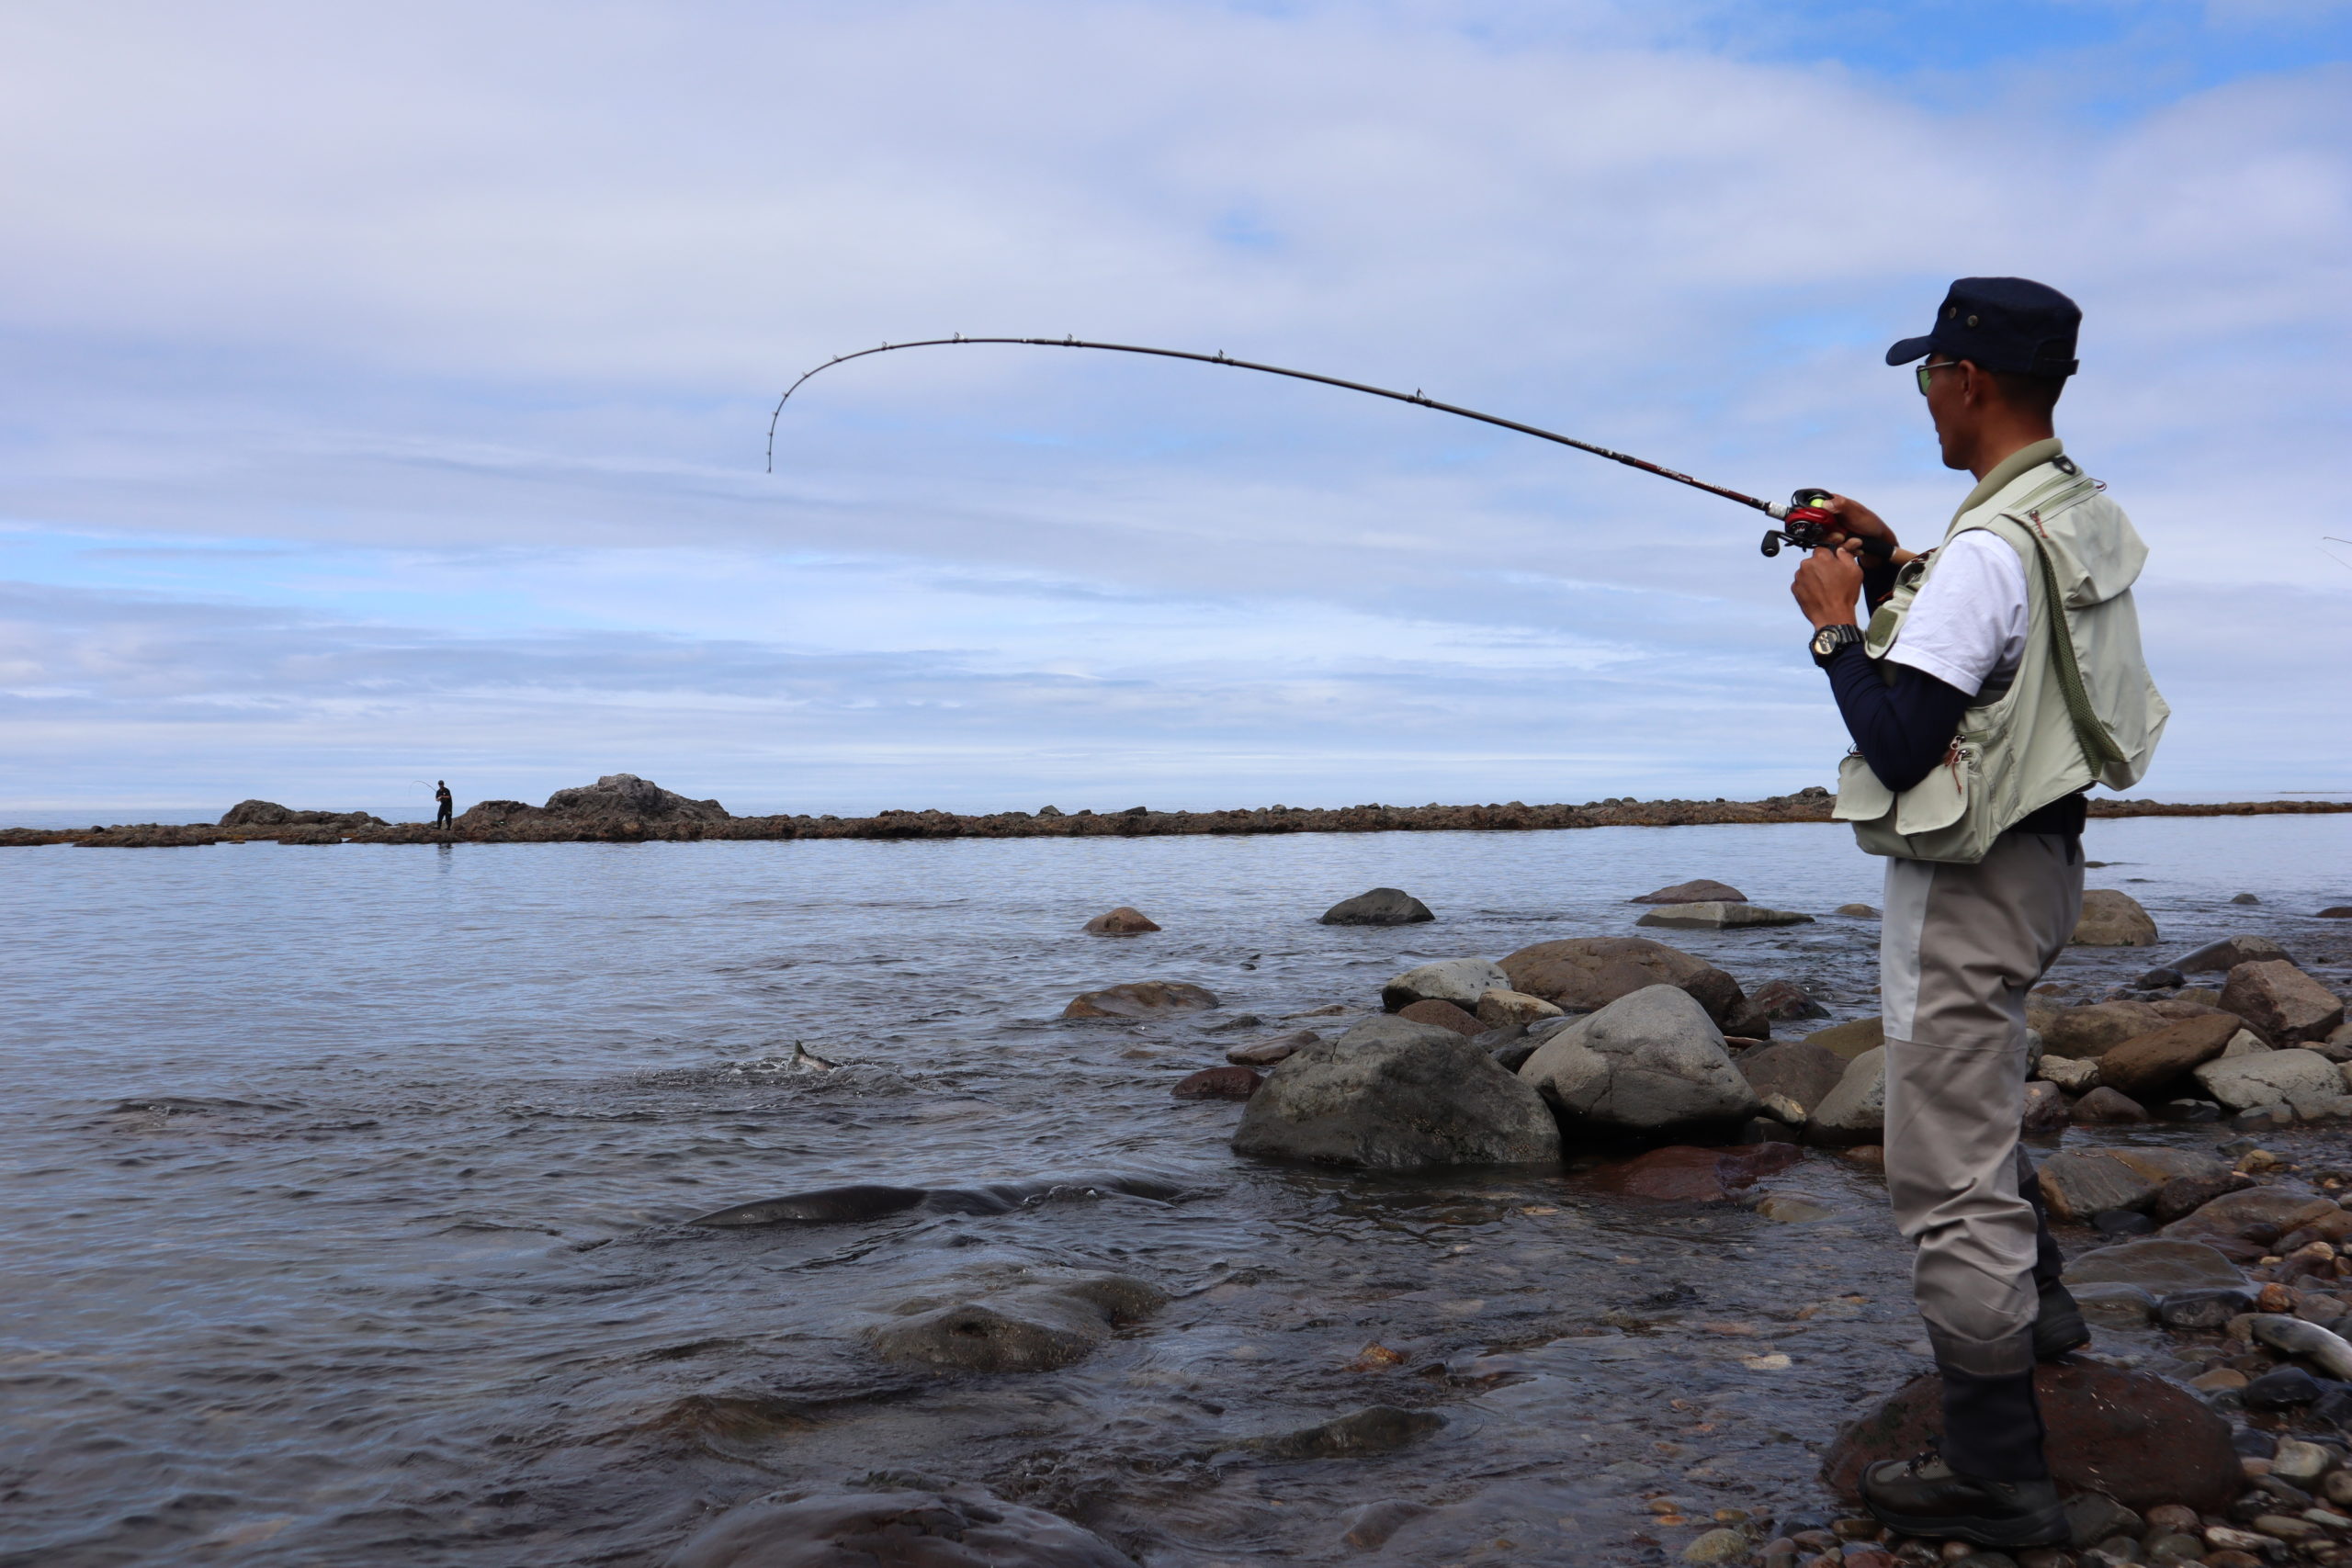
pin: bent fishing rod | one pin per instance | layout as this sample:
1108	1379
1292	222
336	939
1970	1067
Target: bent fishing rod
1803	522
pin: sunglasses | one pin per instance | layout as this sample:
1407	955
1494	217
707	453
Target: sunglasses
1927	370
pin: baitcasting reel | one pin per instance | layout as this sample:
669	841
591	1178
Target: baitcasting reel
1807	527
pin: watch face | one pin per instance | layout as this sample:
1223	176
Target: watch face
1823	642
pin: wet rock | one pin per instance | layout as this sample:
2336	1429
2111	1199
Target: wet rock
2184	1195
1858	911
2092	1518
2071	1074
1680	1173
1718	1546
1381	907
1443	1015
1501	1007
2263	1118
2130	1435
2304	1081
1033	1329
2336	912
624	797
1703	891
2161	1266
1461	981
2108	1108
1369	1528
2112	919
1855	1111
2243	1223
2323	1348
2160	979
2046	1109
1380	1430
2221	957
1395	1095
2080	1184
1799	1069
1786	1001
892	1529
1140	999
2204	1310
1648	1061
1581	974
2115	1305
1217	1083
1121	922
1266	1053
2084	1033
2284	1388
1851	1039
2118	1223
2146	1066
2279	1000
1715	917
2299	1463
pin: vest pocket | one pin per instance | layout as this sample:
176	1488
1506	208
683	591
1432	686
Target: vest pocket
1861	797
1939	800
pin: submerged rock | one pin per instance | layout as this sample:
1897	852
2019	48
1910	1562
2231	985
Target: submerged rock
1393	1095
1581	974
1217	1083
1140	999
1720	916
2161	1266
2112	919
1461	981
2081	1184
1121	922
1266	1053
1648	1061
1379	1429
1033	1329
1680	1173
2244	1222
1705	891
1381	907
892	1529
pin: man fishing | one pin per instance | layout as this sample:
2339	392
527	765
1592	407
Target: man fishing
444	805
1999	676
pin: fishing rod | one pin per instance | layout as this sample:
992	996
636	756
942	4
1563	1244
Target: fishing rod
1803	522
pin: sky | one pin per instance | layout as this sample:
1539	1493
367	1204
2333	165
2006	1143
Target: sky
384	392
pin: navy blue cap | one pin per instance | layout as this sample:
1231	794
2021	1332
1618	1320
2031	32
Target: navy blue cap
2001	323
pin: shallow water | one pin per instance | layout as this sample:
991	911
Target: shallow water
343	1193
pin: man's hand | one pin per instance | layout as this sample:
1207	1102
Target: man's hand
1827	583
1855	521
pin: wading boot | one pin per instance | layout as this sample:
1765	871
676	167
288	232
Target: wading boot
2058	1325
1927	1497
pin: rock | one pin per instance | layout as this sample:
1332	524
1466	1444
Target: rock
1370	1526
2160	979
2220	957
2336	912
1714	917
2189	1110
1703	891
1381	907
1121	922
2118	1223
270	814
1266	1053
2091	1031
1785	1001
2281	1389
2304	1081
2131	1435
1855	1111
1858	911
1444	1015
2287	1005
2145	1066
1718	1546
1029	1330
1461	981
1500	1008
1217	1083
1140	999
2069	1073
2205	1309
2112	919
2046	1110
2091	1518
624	797
1788	1209
2242	1044
2115	1305
1380	1430
2241	1223
2263	1118
1393	1095
2161	1266
2300	1462
892	1529
2108	1108
2323	1348
1851	1039
1648	1061
2080	1184
1581	974
2184	1195
1680	1173
1799	1069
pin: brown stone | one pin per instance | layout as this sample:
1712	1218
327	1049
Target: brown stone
2221	957
1266	1053
2136	1436
2046	1110
2336	912
1851	1039
1865	1156
2104	1107
2112	919
2184	1195
2146	1064
1681	1173
1785	1001
1121	922
1445	1015
1217	1083
1705	891
2286	1004
2243	1224
2088	1032
2080	1184
1140	999
1799	1068
1586	973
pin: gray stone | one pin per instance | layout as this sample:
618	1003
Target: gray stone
2221	957
2243	1044
1033	1329
2111	1303
892	1529
2287	1005
1855	1111
1381	907
1798	1069
2080	1184
1851	1039
1393	1095
1716	917
1461	981
2304	1081
2091	1518
1266	1053
2160	1265
2071	1074
2202	1310
2112	919
1650	1060
1501	1007
1703	891
1379	1429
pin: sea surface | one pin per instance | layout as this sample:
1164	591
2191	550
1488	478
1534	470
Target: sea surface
344	1188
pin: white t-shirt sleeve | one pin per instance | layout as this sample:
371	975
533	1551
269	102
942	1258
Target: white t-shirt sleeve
1967	627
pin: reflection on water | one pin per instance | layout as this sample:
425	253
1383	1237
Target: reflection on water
343	1190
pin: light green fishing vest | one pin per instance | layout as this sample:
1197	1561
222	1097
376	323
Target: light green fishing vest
2081	708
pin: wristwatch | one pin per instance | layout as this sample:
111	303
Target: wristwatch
1829	639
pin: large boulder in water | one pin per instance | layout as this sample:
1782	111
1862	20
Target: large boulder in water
1585	973
1381	907
1141	999
892	1529
2112	919
2137	1437
1393	1095
624	797
1703	891
1645	1062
